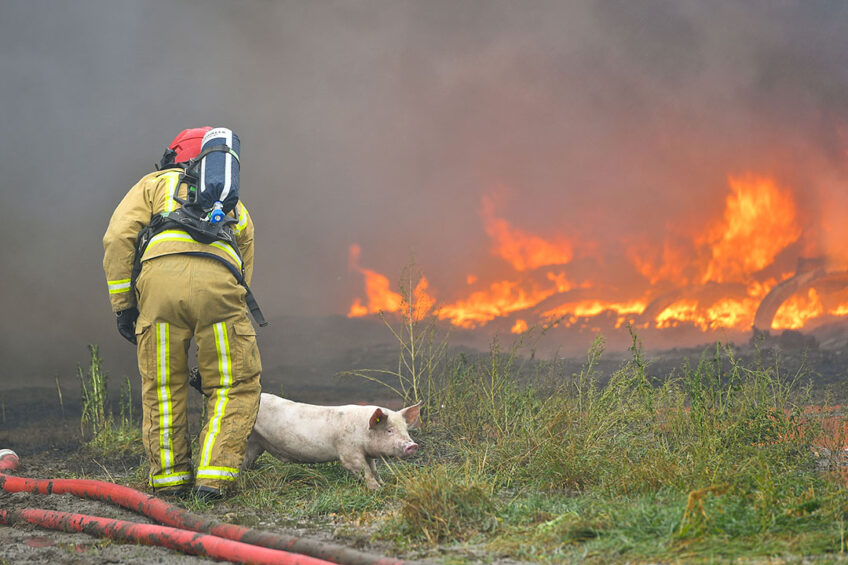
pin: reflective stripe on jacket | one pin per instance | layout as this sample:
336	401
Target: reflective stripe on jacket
153	194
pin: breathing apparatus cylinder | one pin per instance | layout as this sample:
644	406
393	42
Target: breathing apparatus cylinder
218	180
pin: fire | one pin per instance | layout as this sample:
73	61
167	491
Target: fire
725	313
522	250
377	288
710	275
561	281
840	310
759	222
680	311
569	313
669	265
758	289
357	310
731	313
795	312
422	302
501	298
380	296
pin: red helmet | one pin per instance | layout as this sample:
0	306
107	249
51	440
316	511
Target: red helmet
187	143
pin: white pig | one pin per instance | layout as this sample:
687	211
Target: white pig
355	435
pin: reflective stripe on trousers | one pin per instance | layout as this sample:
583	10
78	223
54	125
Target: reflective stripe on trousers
166	406
225	370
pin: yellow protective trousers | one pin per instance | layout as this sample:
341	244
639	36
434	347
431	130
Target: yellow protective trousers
181	297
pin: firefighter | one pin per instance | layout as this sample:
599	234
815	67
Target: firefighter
186	289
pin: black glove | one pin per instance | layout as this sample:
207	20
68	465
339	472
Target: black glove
126	324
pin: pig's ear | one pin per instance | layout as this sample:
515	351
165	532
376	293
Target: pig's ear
377	418
410	414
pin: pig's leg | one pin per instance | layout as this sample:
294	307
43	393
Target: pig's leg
254	450
356	464
372	464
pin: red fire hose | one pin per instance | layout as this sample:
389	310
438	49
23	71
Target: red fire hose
150	534
182	522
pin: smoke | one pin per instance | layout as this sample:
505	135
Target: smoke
386	124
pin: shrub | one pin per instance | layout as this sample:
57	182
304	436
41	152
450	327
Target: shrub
440	507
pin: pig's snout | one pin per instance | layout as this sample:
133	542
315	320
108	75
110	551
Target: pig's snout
410	448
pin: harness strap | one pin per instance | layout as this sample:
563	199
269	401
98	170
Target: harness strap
160	223
191	166
223	148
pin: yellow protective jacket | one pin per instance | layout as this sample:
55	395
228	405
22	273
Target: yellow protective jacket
153	194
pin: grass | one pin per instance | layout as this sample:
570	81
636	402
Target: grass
718	461
715	462
441	504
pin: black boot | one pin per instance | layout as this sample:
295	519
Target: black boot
207	494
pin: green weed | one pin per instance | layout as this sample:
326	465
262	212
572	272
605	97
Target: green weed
437	506
641	465
94	384
106	437
421	347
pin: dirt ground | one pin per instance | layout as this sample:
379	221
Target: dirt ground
46	436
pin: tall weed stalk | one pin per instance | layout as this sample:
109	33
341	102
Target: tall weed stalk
94	387
97	418
421	346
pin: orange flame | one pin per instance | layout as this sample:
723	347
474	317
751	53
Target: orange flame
725	313
377	288
759	222
568	313
483	306
560	281
380	296
840	310
731	313
796	311
423	303
721	266
522	250
668	265
680	311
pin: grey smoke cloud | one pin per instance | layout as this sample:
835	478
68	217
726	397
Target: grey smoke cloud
385	123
